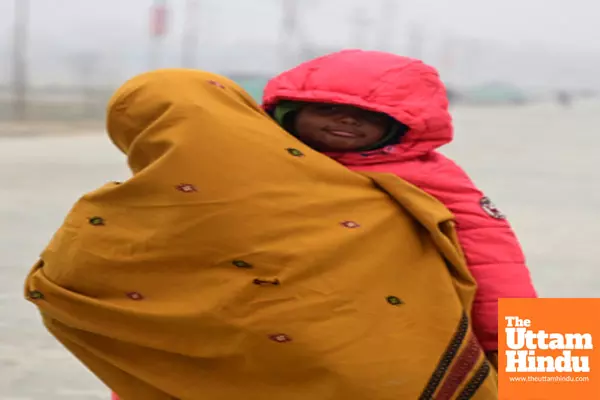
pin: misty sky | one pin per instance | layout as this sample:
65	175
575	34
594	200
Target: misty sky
565	23
118	28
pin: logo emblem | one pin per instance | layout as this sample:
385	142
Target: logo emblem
490	208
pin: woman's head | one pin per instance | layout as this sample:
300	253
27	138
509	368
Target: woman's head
157	111
338	127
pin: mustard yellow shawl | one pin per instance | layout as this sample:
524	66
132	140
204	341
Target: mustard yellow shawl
237	263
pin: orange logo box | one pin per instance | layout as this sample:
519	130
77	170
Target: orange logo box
547	349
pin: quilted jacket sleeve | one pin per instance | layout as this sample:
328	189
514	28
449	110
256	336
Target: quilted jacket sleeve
492	250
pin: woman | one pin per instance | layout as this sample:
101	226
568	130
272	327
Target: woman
237	262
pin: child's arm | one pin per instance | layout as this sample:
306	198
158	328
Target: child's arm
492	250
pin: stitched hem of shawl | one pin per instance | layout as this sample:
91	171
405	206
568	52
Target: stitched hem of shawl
475	383
465	363
447	358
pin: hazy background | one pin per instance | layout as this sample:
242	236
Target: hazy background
81	50
523	75
534	43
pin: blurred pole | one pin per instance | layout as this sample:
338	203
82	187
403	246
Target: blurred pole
189	43
447	57
20	66
288	40
158	30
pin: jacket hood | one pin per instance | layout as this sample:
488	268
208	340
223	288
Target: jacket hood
404	88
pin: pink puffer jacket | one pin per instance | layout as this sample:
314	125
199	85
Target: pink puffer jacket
411	92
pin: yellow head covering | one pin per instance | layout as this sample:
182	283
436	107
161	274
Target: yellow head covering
237	263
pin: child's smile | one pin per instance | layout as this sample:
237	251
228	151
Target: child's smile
340	128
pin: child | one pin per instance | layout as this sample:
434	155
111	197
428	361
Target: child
378	112
238	263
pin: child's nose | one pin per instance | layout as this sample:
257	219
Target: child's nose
350	119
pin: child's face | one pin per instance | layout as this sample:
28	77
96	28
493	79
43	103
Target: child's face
340	128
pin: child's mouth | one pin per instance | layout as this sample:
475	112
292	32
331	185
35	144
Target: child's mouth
345	134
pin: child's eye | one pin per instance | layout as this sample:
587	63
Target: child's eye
327	109
376	118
